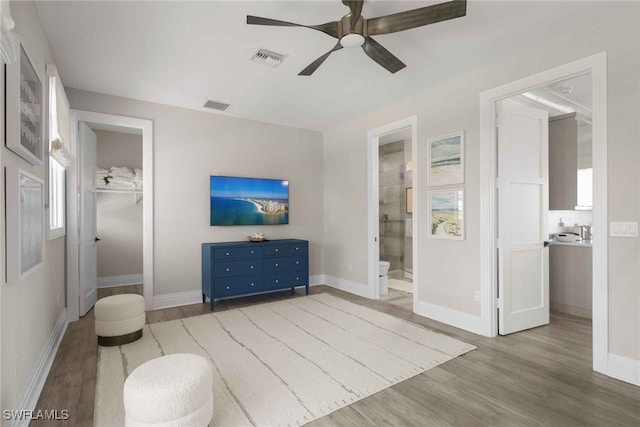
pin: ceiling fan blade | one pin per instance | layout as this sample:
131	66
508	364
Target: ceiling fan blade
330	28
382	56
318	62
356	10
416	17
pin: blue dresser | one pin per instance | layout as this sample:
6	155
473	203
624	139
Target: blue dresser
236	269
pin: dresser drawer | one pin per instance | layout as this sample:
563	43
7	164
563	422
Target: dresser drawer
285	249
237	286
237	268
222	254
293	263
285	280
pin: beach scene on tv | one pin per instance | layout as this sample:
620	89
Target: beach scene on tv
249	201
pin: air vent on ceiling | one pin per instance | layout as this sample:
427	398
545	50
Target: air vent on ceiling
216	105
266	57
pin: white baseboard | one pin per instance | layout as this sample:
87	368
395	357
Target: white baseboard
623	368
572	310
350	286
456	318
317	279
126	279
35	383
177	299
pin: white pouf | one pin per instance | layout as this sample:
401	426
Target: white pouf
119	319
170	391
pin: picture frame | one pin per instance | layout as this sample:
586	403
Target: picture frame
446	159
409	200
446	214
25	223
25	119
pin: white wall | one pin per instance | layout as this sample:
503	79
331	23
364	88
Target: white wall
189	146
119	216
31	307
453	105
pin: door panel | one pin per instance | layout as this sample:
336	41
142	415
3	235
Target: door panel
523	211
88	219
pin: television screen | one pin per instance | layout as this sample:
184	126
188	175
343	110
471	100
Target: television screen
248	201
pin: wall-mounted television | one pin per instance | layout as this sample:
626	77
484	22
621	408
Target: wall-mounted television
248	201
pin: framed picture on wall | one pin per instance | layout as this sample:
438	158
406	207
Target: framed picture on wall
446	214
409	198
446	159
24	109
25	223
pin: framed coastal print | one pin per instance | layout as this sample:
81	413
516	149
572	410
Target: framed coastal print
24	109
446	214
25	223
446	159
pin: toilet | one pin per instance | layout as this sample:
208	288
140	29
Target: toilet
383	267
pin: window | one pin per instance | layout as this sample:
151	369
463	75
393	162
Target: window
59	157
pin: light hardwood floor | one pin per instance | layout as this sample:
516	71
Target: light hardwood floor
540	377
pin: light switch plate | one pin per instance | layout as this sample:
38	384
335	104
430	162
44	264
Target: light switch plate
623	229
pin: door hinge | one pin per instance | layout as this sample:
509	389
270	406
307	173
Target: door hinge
499	303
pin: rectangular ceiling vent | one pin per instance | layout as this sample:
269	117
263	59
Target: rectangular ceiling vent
221	106
263	56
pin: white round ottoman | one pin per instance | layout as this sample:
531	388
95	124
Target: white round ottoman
170	391
119	319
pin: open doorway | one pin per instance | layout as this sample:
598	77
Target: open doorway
496	185
114	179
392	212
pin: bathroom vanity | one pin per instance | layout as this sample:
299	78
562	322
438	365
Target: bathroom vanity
570	277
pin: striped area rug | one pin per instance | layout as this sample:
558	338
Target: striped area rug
283	363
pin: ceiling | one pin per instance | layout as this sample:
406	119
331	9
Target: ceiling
572	95
185	53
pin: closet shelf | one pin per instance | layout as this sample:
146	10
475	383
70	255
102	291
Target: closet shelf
137	194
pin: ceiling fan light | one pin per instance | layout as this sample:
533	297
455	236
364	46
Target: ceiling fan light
352	40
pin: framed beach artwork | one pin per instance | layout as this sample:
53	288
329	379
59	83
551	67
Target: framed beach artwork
446	214
446	159
25	223
24	109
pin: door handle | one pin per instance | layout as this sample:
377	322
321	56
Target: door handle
96	239
546	243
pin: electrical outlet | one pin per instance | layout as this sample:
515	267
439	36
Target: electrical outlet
623	229
476	296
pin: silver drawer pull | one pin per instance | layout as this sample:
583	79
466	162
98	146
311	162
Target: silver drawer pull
251	251
276	249
277	280
297	249
228	287
297	278
297	262
228	269
252	267
253	284
277	264
227	254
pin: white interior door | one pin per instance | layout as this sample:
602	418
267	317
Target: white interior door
88	219
523	205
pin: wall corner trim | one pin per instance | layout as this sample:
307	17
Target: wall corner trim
346	285
623	368
317	279
38	377
449	316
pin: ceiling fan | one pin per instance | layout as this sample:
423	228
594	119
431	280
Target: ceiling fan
354	30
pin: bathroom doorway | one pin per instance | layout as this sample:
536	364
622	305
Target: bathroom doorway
395	205
494	237
393	212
